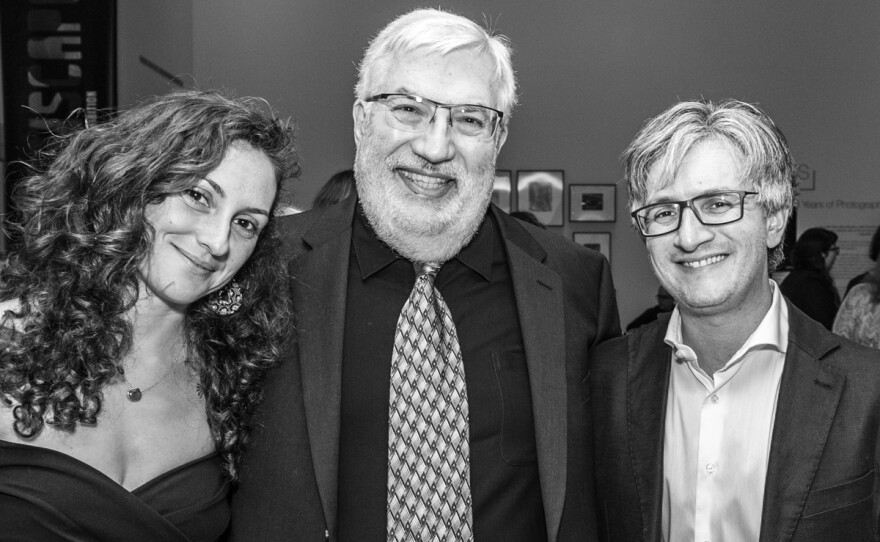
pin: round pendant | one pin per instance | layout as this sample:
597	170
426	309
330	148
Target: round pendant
134	394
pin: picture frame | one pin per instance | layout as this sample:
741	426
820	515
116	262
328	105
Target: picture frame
592	203
540	191
600	241
501	190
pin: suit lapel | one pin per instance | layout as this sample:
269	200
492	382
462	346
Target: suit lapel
647	387
538	292
320	277
808	397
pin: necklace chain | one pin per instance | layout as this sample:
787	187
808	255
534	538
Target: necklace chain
135	393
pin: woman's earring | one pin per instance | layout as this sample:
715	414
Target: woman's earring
226	300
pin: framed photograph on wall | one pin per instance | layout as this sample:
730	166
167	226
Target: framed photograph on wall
540	192
600	241
592	202
501	193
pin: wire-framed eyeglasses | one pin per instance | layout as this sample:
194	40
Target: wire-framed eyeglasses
412	113
712	209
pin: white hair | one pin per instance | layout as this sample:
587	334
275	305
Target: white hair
437	31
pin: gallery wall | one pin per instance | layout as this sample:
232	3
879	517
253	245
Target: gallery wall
589	72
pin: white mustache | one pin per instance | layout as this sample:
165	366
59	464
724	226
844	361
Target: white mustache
450	170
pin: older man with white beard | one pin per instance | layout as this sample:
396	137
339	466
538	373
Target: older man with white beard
439	388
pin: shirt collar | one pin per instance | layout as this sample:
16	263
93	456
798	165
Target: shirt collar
477	254
373	254
772	332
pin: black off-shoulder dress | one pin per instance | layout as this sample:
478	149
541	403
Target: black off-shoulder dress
49	496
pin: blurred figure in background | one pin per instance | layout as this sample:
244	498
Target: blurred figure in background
859	315
809	286
873	252
337	188
665	303
528	216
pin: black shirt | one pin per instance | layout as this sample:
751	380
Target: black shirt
477	288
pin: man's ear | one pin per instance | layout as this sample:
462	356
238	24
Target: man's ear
359	114
776	226
502	137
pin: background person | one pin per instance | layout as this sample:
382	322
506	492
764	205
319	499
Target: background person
141	307
809	285
338	187
527	216
665	303
522	308
859	315
873	253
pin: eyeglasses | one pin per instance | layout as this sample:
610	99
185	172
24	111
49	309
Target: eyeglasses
711	209
414	113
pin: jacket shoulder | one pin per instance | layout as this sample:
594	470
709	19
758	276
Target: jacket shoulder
837	352
850	356
302	231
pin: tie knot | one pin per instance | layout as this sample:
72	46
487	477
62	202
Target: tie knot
429	268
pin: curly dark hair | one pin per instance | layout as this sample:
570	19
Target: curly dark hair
80	233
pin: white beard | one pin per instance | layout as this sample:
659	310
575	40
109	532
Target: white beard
419	229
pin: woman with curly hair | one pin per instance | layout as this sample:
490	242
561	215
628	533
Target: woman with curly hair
144	301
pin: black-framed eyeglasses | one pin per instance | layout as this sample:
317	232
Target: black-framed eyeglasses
412	113
712	209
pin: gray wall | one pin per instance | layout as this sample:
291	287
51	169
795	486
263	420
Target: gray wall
589	73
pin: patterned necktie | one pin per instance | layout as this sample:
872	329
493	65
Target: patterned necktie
429	485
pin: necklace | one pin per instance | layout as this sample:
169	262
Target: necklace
135	393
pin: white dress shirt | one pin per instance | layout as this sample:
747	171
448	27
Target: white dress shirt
717	434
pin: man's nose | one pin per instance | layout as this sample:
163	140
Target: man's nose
691	232
436	143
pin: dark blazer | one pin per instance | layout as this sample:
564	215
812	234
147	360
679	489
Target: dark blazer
566	305
822	479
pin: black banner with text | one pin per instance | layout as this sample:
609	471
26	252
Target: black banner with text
59	70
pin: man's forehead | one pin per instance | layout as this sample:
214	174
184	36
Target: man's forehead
663	178
458	76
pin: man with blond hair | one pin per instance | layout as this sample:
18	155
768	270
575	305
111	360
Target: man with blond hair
439	387
735	418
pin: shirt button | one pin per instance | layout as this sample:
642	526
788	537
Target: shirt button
714	398
710	468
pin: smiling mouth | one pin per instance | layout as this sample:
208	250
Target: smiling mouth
426	185
705	261
203	266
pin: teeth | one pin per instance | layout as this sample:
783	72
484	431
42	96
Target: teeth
424	179
705	262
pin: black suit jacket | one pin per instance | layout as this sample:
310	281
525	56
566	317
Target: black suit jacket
822	479
566	305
